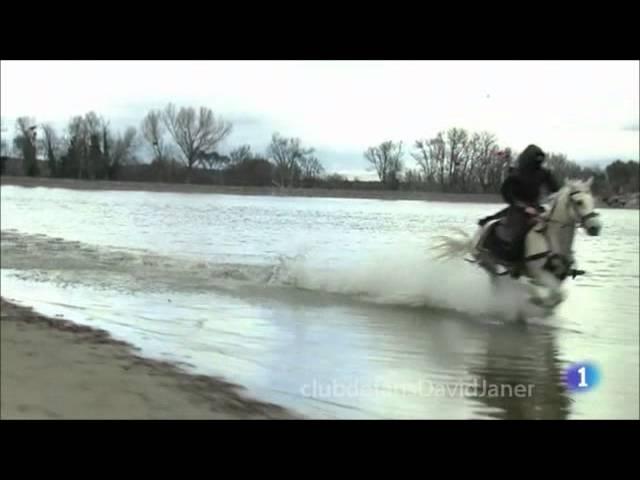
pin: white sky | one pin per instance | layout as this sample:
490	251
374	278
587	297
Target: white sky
586	109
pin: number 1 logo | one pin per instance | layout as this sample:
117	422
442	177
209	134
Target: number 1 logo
582	377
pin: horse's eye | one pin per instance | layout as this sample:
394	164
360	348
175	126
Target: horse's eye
579	203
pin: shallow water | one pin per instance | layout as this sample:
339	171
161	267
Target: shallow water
331	307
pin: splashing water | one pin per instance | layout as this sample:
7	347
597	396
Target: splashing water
406	277
412	278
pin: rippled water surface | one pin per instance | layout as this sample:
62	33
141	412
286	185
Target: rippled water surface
331	307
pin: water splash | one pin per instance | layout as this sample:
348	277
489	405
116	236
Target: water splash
411	278
406	277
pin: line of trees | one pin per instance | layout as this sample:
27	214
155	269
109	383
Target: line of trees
183	145
458	161
452	161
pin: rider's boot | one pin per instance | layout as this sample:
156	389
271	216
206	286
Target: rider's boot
516	271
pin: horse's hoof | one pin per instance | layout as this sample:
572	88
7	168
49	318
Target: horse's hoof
557	301
547	312
548	304
537	301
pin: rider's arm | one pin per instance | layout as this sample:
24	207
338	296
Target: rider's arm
510	194
506	190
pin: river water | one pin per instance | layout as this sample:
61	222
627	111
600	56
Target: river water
333	308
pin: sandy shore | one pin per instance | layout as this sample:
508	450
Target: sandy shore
54	369
289	192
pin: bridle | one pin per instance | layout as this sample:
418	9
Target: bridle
582	218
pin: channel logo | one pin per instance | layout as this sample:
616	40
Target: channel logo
582	377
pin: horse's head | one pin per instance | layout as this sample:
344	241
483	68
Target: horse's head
581	205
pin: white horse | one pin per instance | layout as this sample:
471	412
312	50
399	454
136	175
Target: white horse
548	256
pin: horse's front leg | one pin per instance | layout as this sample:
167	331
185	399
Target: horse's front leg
536	244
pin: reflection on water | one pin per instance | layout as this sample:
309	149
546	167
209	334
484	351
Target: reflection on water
329	307
527	365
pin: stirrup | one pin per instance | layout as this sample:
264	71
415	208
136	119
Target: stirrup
574	273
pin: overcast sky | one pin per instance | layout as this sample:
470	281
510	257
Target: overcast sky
586	109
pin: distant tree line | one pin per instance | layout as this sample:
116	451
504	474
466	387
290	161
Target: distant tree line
183	145
457	161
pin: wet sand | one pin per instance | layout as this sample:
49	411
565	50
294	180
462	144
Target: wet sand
55	369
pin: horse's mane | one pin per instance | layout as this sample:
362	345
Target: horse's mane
570	184
577	184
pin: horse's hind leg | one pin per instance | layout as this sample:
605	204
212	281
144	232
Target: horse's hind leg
547	280
485	262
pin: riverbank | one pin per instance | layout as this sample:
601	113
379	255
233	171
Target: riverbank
55	369
629	201
230	190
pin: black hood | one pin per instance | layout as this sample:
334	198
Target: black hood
528	159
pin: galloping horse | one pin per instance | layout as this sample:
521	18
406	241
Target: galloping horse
547	258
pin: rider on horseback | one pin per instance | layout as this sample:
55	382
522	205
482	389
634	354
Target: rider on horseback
522	190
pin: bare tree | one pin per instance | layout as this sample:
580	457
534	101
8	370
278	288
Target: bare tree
623	177
69	165
153	132
457	139
430	157
241	154
386	158
213	160
25	143
51	145
483	151
122	150
562	167
79	137
286	154
107	142
197	134
413	178
93	158
310	168
92	123
458	161
248	168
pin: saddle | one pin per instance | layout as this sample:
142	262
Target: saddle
499	240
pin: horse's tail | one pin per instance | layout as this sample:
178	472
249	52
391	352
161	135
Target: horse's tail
451	247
